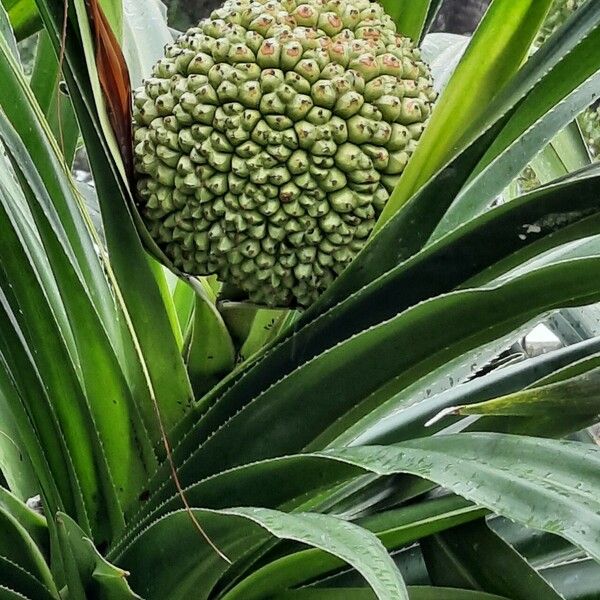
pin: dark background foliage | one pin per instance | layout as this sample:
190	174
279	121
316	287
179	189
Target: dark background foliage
460	16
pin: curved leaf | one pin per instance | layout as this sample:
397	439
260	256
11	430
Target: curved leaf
393	528
409	415
88	574
181	556
414	593
34	523
551	485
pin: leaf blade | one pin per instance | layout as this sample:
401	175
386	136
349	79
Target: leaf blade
494	55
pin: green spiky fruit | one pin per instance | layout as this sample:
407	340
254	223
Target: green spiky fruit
559	12
269	138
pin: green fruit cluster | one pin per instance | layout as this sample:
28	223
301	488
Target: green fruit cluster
589	121
269	138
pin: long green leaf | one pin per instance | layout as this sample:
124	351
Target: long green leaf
435	331
568	89
18	547
494	55
22	582
189	566
408	415
410	16
503	571
56	105
556	489
7	33
414	593
576	396
339	538
24	17
154	361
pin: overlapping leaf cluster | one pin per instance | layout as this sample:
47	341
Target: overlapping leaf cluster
310	464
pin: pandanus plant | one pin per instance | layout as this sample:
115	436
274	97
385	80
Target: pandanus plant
168	434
